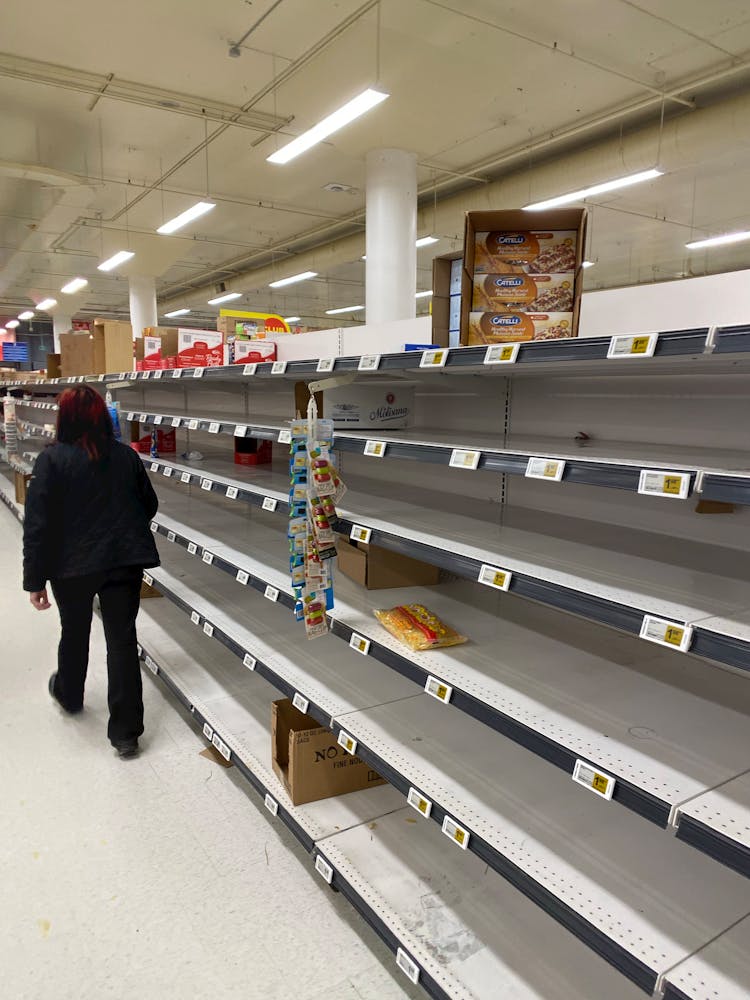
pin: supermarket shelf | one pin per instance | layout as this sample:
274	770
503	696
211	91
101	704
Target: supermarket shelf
717	971
550	705
250	488
264	429
718	823
35	405
8	497
484	921
565	570
591	882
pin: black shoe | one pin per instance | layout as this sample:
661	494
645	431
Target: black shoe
51	689
126	748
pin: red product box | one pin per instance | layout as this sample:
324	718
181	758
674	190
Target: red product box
199	349
249	451
248	352
166	443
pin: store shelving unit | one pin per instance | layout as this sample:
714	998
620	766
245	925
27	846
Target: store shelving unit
555	673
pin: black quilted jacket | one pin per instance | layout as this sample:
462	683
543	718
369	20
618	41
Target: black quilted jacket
86	517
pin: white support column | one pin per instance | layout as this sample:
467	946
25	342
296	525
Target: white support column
61	323
142	302
391	234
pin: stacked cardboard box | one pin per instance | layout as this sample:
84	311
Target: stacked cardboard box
174	347
107	347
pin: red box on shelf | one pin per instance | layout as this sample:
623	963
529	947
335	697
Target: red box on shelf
249	451
166	443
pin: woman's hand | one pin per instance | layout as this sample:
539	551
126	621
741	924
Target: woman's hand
39	600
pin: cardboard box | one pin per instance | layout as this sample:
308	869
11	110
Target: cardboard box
446	296
359	405
247	352
534	293
148	356
200	348
21	481
53	366
515	242
166	443
76	354
113	346
251	451
377	568
507	327
309	762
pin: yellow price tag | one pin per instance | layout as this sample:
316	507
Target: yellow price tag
550	470
640	345
674	635
599	784
672	484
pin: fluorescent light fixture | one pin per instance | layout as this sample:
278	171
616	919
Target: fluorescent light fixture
46	304
717	241
293	279
28	314
425	241
12	324
227	297
588	263
198	209
423	295
346	309
353	109
74	286
119	258
177	312
292	319
619	182
3	330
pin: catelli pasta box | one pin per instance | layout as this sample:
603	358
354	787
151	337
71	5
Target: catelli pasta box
526	267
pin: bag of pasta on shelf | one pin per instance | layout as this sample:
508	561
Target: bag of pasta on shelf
418	628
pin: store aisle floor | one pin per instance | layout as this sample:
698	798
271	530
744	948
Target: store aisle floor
157	877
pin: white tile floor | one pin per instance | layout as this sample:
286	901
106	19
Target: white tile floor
158	877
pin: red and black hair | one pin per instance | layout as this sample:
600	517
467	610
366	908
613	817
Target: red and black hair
83	419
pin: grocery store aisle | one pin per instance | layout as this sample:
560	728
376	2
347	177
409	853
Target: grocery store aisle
156	877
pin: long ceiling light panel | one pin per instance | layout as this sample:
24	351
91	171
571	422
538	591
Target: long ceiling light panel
176	312
200	208
12	324
27	314
46	304
358	106
119	258
589	192
718	241
425	241
346	309
423	295
293	279
227	297
292	319
74	286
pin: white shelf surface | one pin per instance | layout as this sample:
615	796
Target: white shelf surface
725	810
718	971
671	726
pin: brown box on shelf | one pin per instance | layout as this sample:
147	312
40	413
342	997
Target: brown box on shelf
113	346
149	590
508	327
21	481
515	242
309	762
53	366
376	568
76	354
535	293
441	297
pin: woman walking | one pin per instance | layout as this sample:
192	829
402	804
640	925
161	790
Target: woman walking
86	531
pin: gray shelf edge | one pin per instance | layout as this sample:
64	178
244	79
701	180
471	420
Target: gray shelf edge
709	841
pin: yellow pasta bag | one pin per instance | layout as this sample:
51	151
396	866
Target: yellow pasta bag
418	628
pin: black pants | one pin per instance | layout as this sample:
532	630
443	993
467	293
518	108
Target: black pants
119	593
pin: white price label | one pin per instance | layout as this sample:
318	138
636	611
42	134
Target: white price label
359	643
434	359
208	557
657	483
221	746
407	965
369	363
154	466
154	526
250	369
457	833
139	647
176	421
214	427
131	416
545	468
278	367
501	354
131	375
593	779
285	437
271	593
639	346
271	804
148	580
144	374
270	503
151	665
193	425
185	477
208	731
158	418
347	742
417	801
206	485
231	493
375	449
157	373
192	548
464	459
171	536
323	869
240	430
242	577
673	635
167	471
300	703
326	364
198	372
443	692
493	576
195	618
208	629
360	533
249	661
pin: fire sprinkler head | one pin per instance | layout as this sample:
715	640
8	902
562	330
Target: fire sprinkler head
235	51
